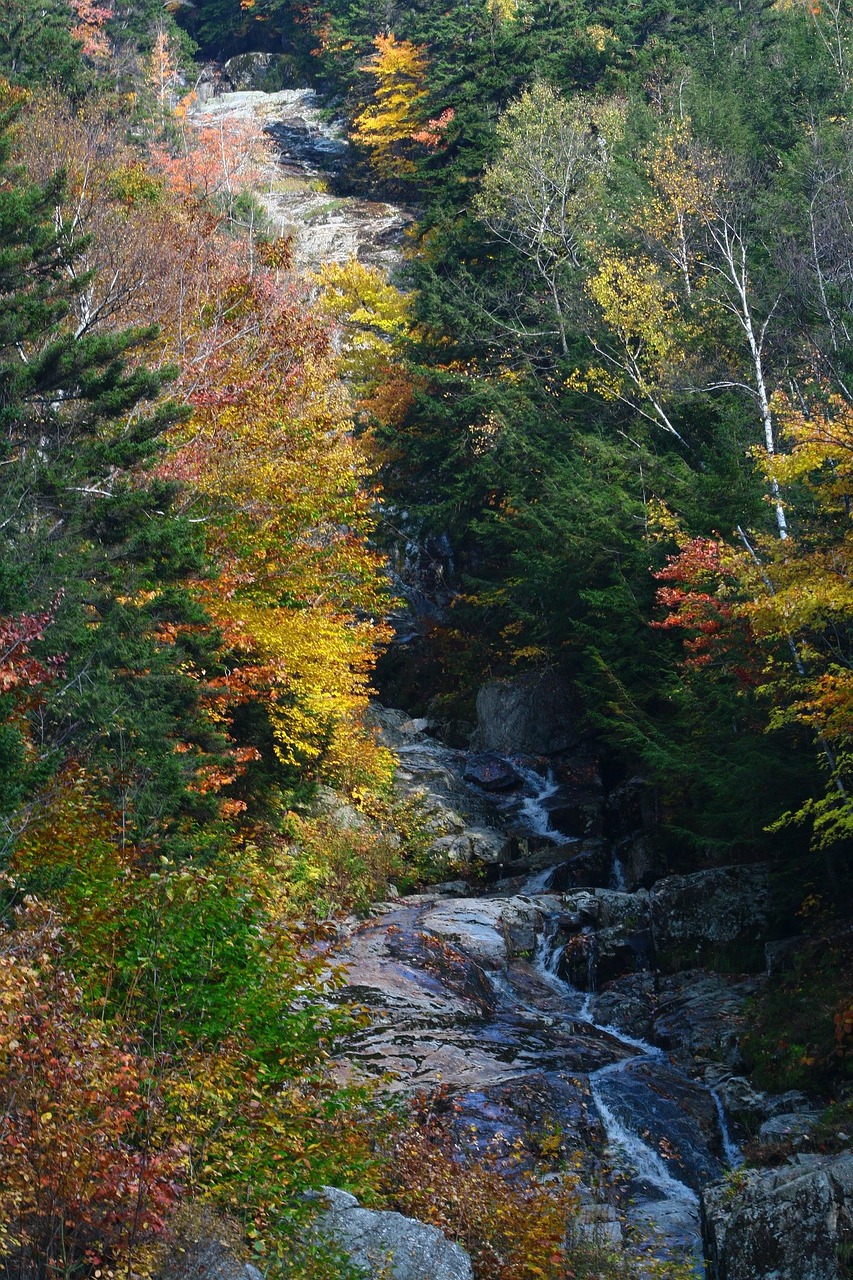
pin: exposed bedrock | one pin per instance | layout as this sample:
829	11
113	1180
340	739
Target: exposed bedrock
791	1223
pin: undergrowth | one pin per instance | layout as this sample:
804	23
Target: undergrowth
801	1026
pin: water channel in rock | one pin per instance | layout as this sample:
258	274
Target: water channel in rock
307	192
491	992
472	991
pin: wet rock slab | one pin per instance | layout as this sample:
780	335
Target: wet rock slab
503	1120
422	970
301	195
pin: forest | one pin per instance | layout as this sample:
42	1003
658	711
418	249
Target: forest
598	421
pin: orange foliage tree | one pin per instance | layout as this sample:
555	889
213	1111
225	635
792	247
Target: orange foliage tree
777	611
270	455
81	1184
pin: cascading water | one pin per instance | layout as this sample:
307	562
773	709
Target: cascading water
525	1033
647	1164
540	882
533	812
734	1156
624	1095
617	876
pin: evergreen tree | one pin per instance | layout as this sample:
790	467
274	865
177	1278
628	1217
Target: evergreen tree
88	540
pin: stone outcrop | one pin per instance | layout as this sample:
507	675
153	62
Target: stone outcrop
710	909
775	1119
530	715
638	864
609	936
627	1004
792	1223
258	71
389	1245
205	1258
492	930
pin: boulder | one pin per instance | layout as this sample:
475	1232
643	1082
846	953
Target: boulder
491	772
710	909
474	844
204	1246
791	1223
608	908
488	929
614	940
528	715
453	889
396	728
574	812
389	1245
791	1127
259	71
620	951
331	805
742	1102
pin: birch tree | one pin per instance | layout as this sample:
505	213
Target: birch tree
542	193
696	222
729	243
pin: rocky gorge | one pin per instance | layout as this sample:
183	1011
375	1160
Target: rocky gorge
544	988
562	979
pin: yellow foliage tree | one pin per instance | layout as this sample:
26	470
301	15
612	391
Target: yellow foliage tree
681	196
375	321
646	343
270	452
386	124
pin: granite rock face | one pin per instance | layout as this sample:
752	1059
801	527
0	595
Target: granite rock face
249	71
702	1015
388	1244
792	1223
710	908
199	1252
530	715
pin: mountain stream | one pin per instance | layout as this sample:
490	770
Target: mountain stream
490	992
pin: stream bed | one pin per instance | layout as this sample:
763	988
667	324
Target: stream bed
471	991
307	193
465	993
491	991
